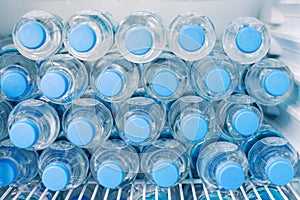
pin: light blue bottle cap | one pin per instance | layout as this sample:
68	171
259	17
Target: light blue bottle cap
191	38
110	174
165	83
165	173
230	175
82	38
110	83
14	84
9	172
56	176
138	40
248	39
217	80
276	83
54	84
280	171
137	128
24	134
245	122
83	198
32	35
194	127
81	131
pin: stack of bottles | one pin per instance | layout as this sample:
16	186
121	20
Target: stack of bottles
140	100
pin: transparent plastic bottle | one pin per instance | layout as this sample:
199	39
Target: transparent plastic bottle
165	162
33	124
114	164
5	109
269	82
18	76
17	166
165	78
62	78
6	43
63	166
114	78
246	40
214	77
162	193
87	122
141	37
38	34
264	194
191	36
239	116
89	34
191	118
140	120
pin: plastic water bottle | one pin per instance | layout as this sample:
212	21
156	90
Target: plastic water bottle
191	36
264	194
269	82
191	118
17	166
89	34
114	164
63	166
6	43
38	34
141	37
246	40
62	78
33	124
140	120
165	78
114	78
5	109
214	77
239	116
18	76
165	162
222	165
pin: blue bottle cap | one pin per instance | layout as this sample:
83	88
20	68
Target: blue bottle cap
54	84
276	83
194	127
191	38
110	174
230	175
82	38
165	83
110	83
83	198
248	39
137	128
81	131
9	172
138	40
24	134
56	176
14	84
32	35
165	173
217	80
245	122
280	171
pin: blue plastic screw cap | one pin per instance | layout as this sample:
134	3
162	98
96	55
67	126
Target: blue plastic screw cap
14	84
24	134
138	41
248	39
9	172
245	122
56	176
217	80
230	175
110	83
276	83
194	127
191	38
82	38
165	83
81	131
280	171
137	128
32	35
165	173
110	174
54	84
